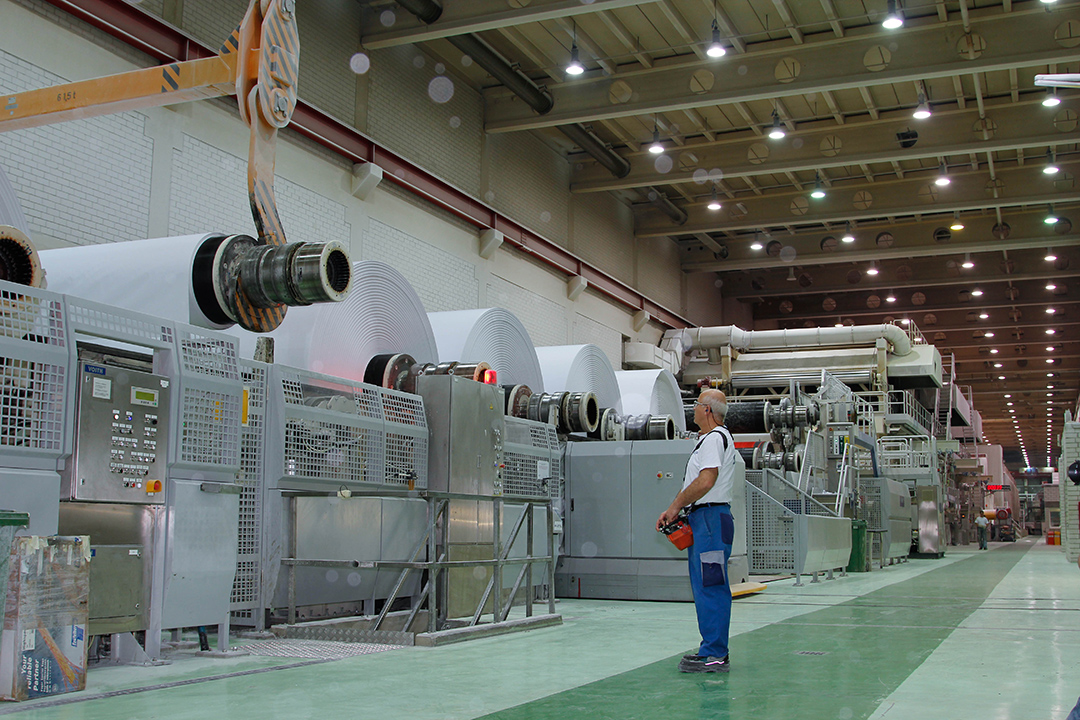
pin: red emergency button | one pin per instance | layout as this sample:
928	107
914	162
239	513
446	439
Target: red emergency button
153	486
659	474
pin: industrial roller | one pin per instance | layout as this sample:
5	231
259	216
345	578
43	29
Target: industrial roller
649	427
398	371
544	407
761	457
610	427
517	400
19	261
764	417
579	412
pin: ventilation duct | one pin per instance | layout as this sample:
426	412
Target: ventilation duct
536	97
683	341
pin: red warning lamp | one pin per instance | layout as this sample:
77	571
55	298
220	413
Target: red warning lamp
491	377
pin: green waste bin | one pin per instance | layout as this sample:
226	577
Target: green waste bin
859	561
9	523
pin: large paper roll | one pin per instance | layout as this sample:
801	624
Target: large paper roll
10	210
580	368
382	314
149	276
653	392
491	335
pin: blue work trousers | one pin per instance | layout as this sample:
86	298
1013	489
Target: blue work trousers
714	532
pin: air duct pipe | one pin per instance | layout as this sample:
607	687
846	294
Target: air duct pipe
19	260
536	97
673	211
685	340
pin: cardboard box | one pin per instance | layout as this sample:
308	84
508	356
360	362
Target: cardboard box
43	646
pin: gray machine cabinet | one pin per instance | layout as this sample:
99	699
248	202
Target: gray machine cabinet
465	419
364	528
656	477
200	552
598	492
36	492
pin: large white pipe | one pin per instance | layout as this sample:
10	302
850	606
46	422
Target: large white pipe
685	340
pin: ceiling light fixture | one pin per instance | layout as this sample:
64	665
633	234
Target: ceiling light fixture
1051	311
777	131
716	48
943	176
756	246
922	110
890	298
1050	361
999	365
1051	167
848	237
976	293
893	17
1049	348
983	316
1051	99
818	192
957	224
988	334
872	270
1051	286
967	264
575	67
714	201
1050	331
1051	218
993	351
656	148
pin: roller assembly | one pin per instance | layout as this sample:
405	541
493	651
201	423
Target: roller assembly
568	411
226	270
649	427
765	417
761	457
19	262
399	371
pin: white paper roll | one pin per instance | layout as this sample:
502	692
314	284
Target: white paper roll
149	276
491	335
10	210
382	314
653	392
580	368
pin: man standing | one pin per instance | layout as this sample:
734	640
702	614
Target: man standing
707	490
981	522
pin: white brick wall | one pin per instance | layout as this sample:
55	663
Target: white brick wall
604	233
587	330
659	273
543	318
444	138
441	280
84	181
530	182
209	192
329	35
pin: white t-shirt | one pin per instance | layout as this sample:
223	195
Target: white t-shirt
981	521
711	453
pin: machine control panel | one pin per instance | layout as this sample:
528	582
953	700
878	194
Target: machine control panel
121	436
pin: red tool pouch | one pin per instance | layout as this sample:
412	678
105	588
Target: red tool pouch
679	533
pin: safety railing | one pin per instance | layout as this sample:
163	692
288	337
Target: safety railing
903	402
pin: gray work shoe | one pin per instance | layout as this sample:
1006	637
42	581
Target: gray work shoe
699	664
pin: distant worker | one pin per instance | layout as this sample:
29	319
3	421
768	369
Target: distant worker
980	523
707	489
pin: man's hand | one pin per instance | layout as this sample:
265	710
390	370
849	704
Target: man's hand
667	517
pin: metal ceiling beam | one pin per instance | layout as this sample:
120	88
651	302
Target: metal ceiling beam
806	308
915	195
460	18
1021	39
1026	125
922	280
909	240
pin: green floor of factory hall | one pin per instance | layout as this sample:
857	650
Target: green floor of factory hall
993	634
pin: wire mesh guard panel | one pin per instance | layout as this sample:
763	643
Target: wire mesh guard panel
528	445
873	515
102	321
245	592
33	371
210	356
771	530
334	430
211	422
406	440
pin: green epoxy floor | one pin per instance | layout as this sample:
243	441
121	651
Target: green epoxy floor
992	634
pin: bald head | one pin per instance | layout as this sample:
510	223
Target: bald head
716	401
